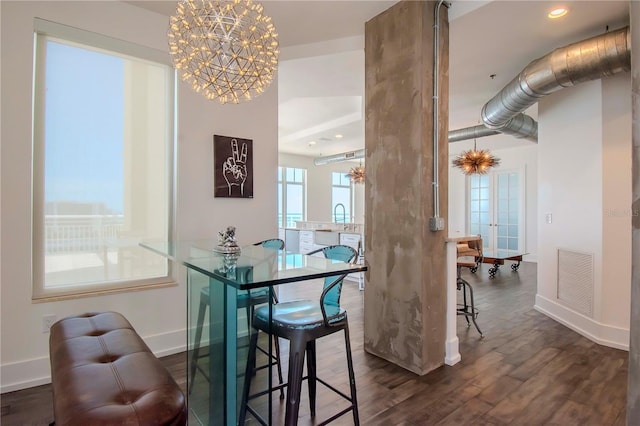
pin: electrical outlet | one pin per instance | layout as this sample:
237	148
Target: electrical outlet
47	322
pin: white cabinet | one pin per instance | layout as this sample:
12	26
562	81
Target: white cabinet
306	242
354	240
292	240
351	240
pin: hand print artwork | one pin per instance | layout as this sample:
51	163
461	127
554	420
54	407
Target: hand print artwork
233	159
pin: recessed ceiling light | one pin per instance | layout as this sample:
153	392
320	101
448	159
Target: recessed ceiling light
558	13
338	136
312	143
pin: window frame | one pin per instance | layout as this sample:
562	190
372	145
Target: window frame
46	30
350	212
282	184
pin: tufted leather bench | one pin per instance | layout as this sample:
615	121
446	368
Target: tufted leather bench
104	374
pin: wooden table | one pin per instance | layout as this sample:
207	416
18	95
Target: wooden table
497	258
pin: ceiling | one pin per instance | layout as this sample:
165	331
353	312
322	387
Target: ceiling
321	70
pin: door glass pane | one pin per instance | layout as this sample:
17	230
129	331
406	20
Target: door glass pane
484	193
502	243
507	215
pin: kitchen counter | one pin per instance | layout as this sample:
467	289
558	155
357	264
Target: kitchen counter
356	228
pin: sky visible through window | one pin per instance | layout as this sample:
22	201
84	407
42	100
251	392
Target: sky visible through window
84	127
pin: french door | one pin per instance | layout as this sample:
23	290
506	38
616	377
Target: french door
496	209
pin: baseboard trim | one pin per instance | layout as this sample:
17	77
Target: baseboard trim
452	352
37	371
602	334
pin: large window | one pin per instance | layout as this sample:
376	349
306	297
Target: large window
341	197
291	196
102	175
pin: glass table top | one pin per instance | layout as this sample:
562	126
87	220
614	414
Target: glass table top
253	267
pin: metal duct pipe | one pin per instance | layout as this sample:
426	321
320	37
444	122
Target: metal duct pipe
345	156
474	132
520	126
594	58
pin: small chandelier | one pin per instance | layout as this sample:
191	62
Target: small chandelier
356	174
475	161
227	50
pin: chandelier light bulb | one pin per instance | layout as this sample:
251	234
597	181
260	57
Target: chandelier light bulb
227	50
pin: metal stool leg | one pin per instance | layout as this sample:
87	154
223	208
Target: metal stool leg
278	365
253	344
474	312
311	375
352	376
296	363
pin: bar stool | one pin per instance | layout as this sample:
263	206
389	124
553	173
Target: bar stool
247	300
302	322
468	307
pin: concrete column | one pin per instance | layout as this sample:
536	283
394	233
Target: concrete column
633	401
405	296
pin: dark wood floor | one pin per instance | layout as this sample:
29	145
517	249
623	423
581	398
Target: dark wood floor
528	370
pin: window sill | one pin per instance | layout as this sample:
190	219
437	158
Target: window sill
103	292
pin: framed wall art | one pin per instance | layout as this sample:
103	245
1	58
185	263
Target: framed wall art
233	167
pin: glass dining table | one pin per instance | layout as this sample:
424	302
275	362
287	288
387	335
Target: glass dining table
221	282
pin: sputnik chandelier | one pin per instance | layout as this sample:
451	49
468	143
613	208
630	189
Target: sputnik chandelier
356	174
227	50
475	161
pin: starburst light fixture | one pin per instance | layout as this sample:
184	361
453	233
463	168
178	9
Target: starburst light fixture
227	50
475	161
356	174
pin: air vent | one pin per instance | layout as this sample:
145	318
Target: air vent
575	280
350	155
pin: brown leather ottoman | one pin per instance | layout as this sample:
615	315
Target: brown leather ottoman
102	373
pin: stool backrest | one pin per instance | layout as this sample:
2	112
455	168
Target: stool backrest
273	243
344	254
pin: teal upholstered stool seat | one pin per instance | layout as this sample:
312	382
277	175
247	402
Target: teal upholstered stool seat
303	314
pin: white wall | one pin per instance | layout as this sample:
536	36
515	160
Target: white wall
524	159
584	136
158	315
616	201
319	187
